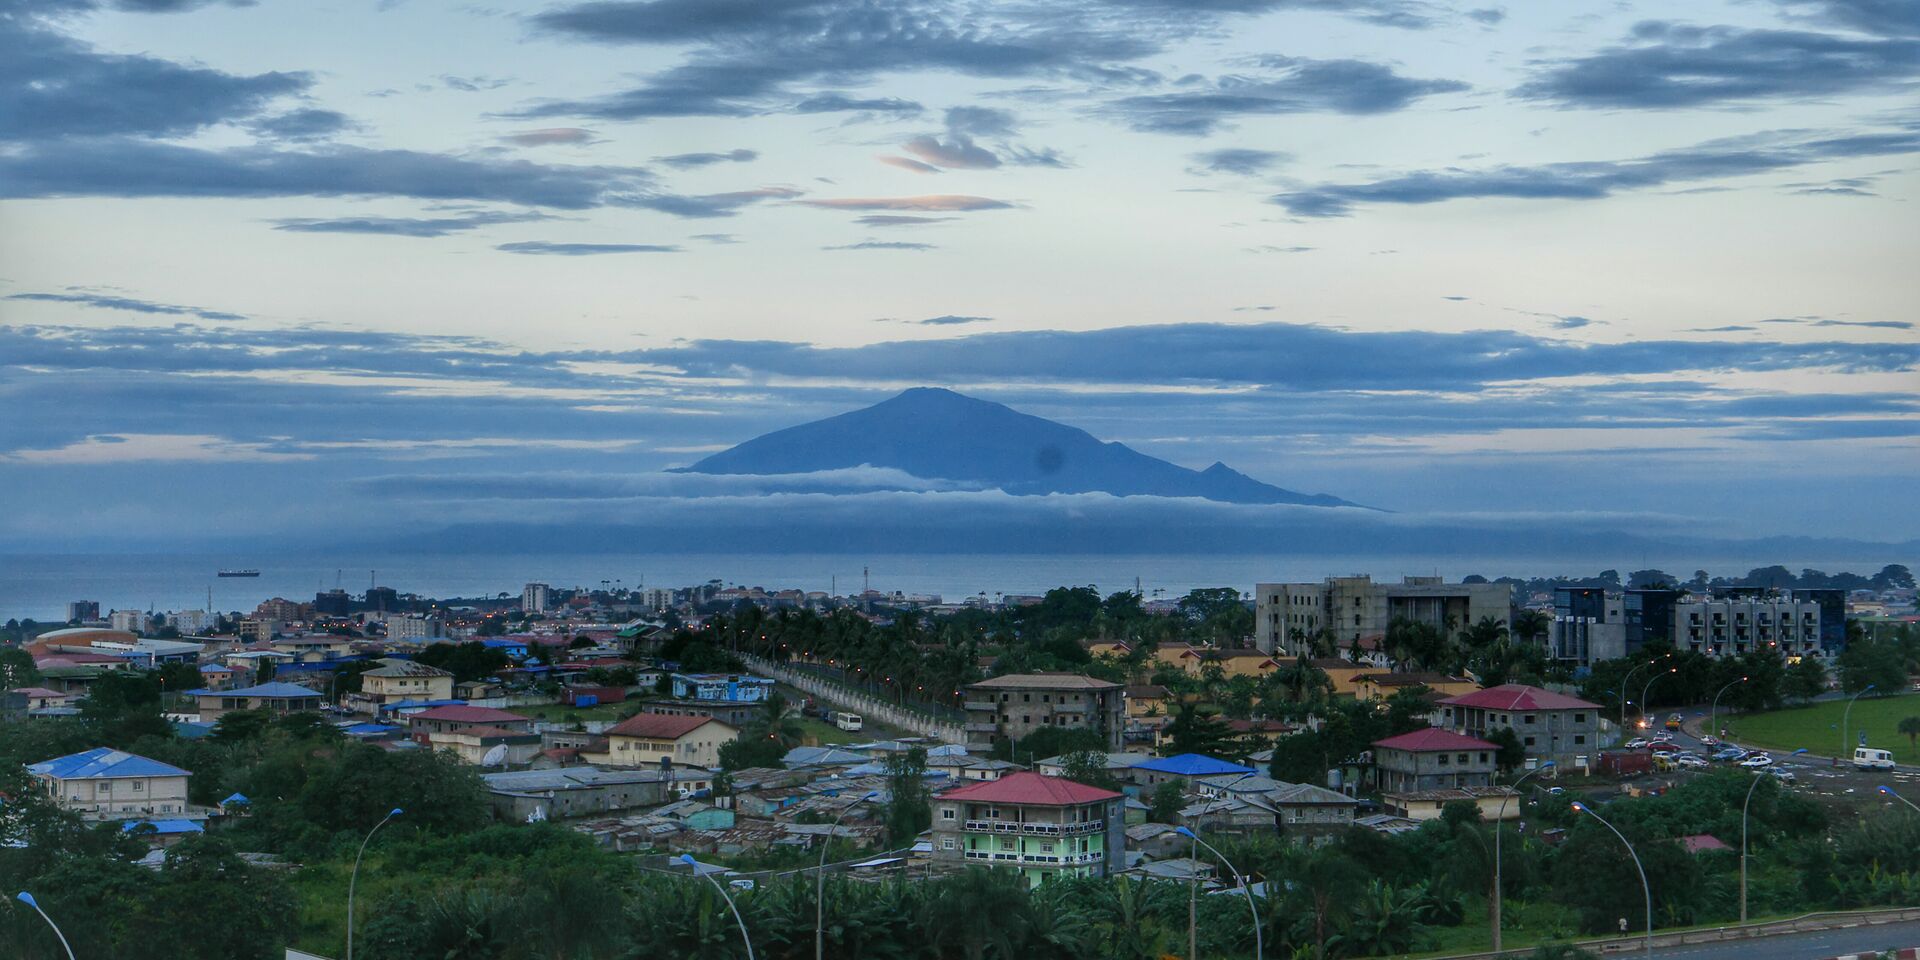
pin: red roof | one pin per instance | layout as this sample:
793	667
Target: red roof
1703	841
1028	787
1514	696
1433	740
463	714
660	726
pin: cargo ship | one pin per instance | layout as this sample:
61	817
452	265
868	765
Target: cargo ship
239	573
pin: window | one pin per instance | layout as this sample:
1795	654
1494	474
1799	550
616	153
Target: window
946	813
1483	756
1462	758
137	785
1579	718
946	843
1579	739
1443	759
1046	846
1529	741
1006	843
1026	718
1046	698
1529	718
1026	698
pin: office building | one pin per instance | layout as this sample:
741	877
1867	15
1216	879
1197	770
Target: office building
190	622
81	611
1832	604
332	603
1649	617
383	599
1353	608
417	629
1736	625
535	598
1587	625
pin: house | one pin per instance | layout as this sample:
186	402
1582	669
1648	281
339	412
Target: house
1147	700
1184	657
217	676
736	714
160	834
1107	648
397	680
25	701
313	648
1014	706
278	698
531	795
477	690
728	687
1036	825
476	734
1434	759
821	757
1241	663
108	784
696	815
1344	674
1551	726
1255	804
1152	771
1380	686
1428	804
1158	840
646	739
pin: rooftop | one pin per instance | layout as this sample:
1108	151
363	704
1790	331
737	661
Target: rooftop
1432	740
1515	696
103	763
1046	681
264	691
467	714
1191	765
660	726
396	667
1030	788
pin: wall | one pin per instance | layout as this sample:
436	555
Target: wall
867	707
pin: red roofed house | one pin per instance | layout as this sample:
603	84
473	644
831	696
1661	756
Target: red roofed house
477	733
648	738
1551	726
1433	760
1037	825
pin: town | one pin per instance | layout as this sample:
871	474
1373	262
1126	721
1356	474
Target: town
1376	768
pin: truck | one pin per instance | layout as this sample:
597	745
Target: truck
1869	758
1673	722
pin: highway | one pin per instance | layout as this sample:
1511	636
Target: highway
1798	946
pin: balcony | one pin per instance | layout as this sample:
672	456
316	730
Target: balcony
1035	829
983	728
982	706
1035	859
1080	707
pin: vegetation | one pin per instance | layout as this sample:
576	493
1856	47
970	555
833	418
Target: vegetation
1817	727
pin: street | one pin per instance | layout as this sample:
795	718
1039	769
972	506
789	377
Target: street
1801	946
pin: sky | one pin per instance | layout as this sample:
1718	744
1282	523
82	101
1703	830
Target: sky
357	269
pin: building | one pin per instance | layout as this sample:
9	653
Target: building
382	599
536	598
1038	826
1551	726
731	713
217	676
415	629
1014	706
190	622
1493	802
81	611
131	621
332	603
1434	759
282	609
278	698
1832	605
23	702
478	735
1731	626
1590	625
1147	700
526	796
1648	614
1587	626
1380	686
313	648
1349	608
108	784
646	739
730	687
397	680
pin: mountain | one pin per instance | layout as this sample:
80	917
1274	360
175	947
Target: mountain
937	434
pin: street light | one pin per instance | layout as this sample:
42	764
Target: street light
1844	715
1889	792
820	881
1624	683
1714	711
354	878
687	858
1498	822
1758	776
1645	887
1649	686
1259	947
27	898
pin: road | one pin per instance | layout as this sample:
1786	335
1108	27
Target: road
1799	946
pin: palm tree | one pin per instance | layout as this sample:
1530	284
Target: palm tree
1129	918
1327	882
1530	626
979	913
1911	727
1383	921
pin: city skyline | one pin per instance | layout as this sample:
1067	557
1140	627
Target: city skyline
317	272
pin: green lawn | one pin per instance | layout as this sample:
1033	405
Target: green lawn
561	713
822	733
1817	727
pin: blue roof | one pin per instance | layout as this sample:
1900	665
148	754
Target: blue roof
1191	765
102	763
236	798
267	691
215	668
368	729
410	704
165	827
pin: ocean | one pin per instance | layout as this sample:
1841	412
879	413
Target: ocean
39	586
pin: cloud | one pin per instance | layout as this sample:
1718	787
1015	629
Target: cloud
949	320
882	245
908	164
1456	299
112	302
710	205
473	84
123	167
1274	249
405	226
1487	16
682	161
1886	18
980	121
1592	180
840	103
300	125
888	220
1672	66
1729	328
1573	322
940	203
717	238
1241	161
1826	322
1381	13
1287	85
958	152
551	136
552	249
106	450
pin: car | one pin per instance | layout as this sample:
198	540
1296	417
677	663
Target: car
1784	776
1663	738
1870	758
1691	762
1757	761
1729	753
1664	746
1673	722
1710	740
1556	791
1637	743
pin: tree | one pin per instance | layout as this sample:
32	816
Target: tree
1090	768
1512	752
1168	798
1868	661
1806	679
1192	731
473	660
909	809
16	669
1911	727
1893	576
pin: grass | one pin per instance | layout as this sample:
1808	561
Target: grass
821	733
561	713
1817	727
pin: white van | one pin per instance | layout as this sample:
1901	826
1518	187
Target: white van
1867	758
847	721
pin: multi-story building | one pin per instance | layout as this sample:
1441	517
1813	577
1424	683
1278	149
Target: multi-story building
478	735
1433	759
131	621
535	598
1648	614
81	611
1014	706
415	628
280	608
397	681
190	622
1587	625
1355	607
1833	617
280	698
333	603
1551	726
1038	826
647	739
383	599
1590	625
1736	625
108	784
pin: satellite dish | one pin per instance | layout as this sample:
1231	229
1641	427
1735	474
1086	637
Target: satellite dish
497	757
538	815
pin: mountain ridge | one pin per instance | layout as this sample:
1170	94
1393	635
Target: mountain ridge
938	434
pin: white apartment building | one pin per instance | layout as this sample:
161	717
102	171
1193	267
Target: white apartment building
1729	627
132	621
1356	607
535	598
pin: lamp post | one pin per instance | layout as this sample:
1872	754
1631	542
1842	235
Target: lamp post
1889	792
1646	888
1498	822
1845	716
1714	711
27	898
1745	805
820	881
1259	947
1625	683
354	878
687	858
1648	687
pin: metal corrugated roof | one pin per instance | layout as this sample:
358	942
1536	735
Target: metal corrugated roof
104	763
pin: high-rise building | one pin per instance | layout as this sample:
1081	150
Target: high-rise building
132	621
383	599
1833	617
1352	608
1587	625
1722	627
190	621
332	603
535	598
1649	615
83	610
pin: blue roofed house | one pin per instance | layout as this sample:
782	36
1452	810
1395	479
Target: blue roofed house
108	784
281	698
1187	766
163	833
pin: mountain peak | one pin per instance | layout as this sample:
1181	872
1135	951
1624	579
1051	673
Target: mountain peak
934	433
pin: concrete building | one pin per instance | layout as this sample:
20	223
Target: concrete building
732	713
1355	607
190	622
536	598
108	784
81	611
1587	625
526	796
1590	625
1551	726
730	687
1382	685
1733	626
416	629
397	680
279	698
648	739
1038	826
1014	706
1434	760
131	621
1424	805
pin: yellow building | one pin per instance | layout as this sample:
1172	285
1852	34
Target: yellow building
1380	686
1109	648
645	739
1180	656
397	680
1242	663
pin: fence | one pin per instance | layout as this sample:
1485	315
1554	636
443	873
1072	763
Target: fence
856	701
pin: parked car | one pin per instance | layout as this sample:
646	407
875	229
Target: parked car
1757	761
1664	746
1637	743
1730	753
1710	740
1691	762
1782	774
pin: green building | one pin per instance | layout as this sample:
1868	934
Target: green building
1041	826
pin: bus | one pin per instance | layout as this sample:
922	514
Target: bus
846	721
